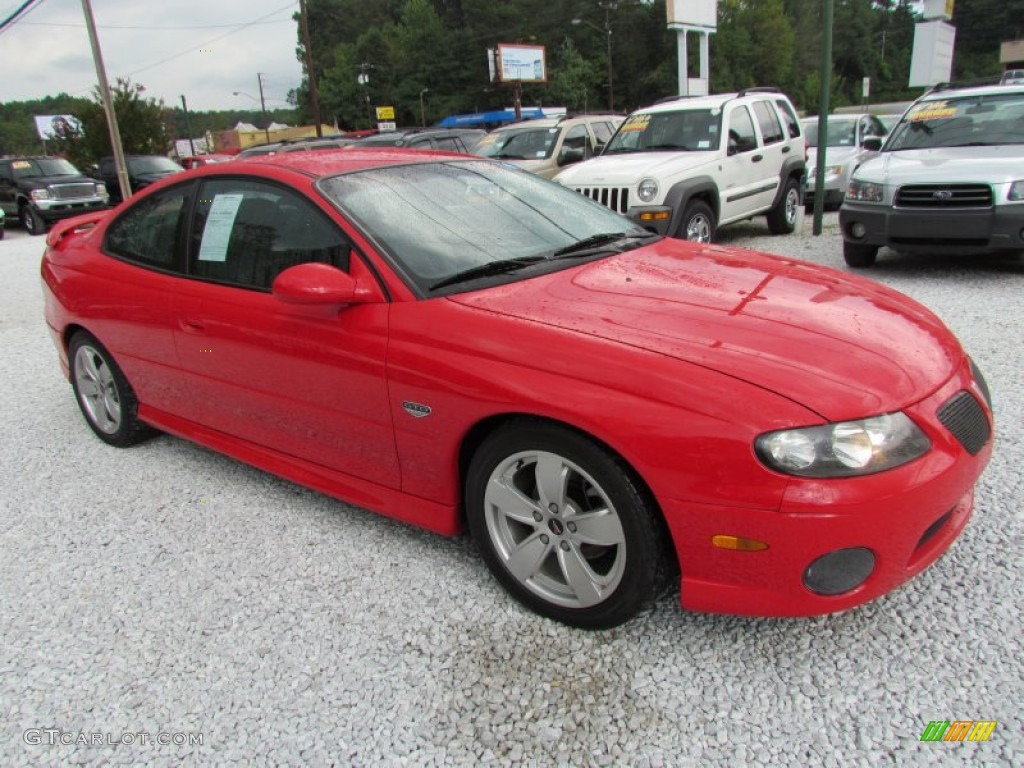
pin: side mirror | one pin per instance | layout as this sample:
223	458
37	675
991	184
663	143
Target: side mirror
314	283
570	156
872	143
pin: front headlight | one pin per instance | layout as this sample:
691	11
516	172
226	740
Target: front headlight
864	191
101	190
833	170
647	190
39	194
846	449
1016	192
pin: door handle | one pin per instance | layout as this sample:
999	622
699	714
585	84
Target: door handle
785	149
757	158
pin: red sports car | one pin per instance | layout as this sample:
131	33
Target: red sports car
456	343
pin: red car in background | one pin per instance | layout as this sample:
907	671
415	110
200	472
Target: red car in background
456	343
197	161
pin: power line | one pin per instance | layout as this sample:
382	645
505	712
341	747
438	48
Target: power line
21	11
157	29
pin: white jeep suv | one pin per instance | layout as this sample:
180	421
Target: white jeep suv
686	166
949	179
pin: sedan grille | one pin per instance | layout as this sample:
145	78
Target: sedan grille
73	191
616	198
965	418
944	196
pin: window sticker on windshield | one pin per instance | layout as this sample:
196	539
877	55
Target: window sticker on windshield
541	153
636	123
704	144
217	231
931	111
713	129
489	139
20	164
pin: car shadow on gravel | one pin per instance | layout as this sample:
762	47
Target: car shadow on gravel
943	266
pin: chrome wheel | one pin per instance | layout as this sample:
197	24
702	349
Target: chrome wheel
792	203
698	228
554	529
97	389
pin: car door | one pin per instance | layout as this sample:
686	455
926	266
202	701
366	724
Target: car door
741	166
774	148
8	190
307	381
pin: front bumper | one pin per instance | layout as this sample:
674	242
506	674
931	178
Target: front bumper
56	210
654	218
971	231
906	518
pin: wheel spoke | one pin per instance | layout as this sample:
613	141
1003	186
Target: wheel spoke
88	387
88	361
551	474
510	501
600	526
579	576
526	559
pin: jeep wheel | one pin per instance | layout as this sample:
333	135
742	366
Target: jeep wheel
31	221
782	218
698	224
857	255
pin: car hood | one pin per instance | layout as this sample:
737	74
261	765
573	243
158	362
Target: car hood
1000	163
843	346
630	167
38	182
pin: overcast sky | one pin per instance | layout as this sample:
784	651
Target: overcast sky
204	49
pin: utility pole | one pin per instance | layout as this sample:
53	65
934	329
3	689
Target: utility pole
108	104
188	126
263	106
823	104
314	92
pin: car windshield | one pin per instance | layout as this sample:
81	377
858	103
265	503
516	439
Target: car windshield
689	130
841	133
43	166
535	143
961	122
441	219
152	165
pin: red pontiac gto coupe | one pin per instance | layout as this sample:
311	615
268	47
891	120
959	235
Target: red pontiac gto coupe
453	342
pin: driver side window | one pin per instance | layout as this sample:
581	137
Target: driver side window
741	131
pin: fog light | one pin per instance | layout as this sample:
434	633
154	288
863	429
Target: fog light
839	571
857	230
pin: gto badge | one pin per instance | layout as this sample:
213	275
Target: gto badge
416	410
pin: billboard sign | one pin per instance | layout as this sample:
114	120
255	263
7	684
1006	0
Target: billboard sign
57	126
932	58
525	63
692	13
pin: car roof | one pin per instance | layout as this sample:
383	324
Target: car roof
949	91
320	163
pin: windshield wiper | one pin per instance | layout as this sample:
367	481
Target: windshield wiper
596	241
499	267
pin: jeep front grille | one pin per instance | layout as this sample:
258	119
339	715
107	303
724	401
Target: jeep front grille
944	196
965	418
73	191
616	198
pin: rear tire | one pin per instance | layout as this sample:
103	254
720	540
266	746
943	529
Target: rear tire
782	218
857	255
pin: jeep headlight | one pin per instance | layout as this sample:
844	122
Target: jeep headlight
846	449
1016	192
647	190
864	191
39	194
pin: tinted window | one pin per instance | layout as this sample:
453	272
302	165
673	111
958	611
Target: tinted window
603	132
150	231
771	129
741	131
789	117
450	144
247	232
577	138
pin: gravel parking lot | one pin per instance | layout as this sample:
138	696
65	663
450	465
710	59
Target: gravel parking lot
167	592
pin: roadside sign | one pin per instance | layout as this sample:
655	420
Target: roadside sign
385	113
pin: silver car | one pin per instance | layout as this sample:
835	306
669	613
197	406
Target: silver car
844	152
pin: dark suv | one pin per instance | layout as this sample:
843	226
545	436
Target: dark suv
42	190
143	170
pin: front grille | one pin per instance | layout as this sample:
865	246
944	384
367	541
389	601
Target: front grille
73	191
944	196
616	198
965	418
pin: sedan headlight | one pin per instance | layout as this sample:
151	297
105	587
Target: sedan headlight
845	449
39	194
1016	191
647	190
864	191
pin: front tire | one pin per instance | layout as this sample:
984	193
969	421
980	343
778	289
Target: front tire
31	221
782	218
563	525
857	255
698	224
104	395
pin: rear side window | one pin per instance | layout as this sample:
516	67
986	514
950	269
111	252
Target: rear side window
150	231
788	117
768	121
